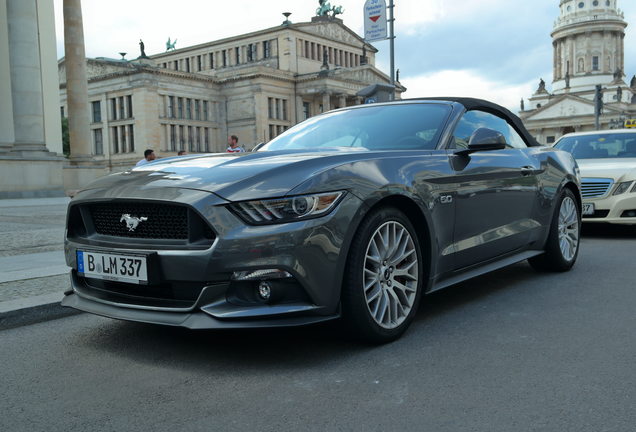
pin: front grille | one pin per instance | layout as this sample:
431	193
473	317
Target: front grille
595	187
158	221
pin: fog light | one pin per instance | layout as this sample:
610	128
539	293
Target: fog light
264	290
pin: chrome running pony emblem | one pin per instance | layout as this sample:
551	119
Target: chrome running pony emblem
132	222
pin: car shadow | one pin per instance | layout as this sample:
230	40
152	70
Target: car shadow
294	347
608	231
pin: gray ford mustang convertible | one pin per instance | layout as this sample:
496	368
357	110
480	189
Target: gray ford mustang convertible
356	213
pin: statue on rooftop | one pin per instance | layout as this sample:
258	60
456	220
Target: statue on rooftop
170	45
325	8
142	48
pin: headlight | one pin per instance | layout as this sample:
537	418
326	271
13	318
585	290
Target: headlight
291	209
622	187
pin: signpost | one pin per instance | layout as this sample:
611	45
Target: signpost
375	24
375	28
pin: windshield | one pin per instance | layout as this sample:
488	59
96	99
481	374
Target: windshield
382	127
601	146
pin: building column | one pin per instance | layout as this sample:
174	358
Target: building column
342	101
76	81
326	101
26	79
7	132
299	110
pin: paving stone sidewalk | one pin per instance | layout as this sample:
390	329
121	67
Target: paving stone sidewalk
32	267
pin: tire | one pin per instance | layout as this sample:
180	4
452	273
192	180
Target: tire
385	258
562	246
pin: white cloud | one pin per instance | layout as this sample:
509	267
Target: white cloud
466	83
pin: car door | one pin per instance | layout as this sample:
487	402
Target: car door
494	192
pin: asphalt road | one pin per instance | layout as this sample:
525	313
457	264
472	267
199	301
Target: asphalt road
511	351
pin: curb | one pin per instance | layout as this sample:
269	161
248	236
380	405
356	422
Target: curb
33	310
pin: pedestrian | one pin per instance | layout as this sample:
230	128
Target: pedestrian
149	156
182	153
232	140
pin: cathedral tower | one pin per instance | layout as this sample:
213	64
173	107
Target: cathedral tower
588	45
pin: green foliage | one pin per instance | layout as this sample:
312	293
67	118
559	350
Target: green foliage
66	142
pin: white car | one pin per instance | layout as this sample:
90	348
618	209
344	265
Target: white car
607	160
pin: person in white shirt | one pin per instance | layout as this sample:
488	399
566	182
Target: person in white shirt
149	156
233	145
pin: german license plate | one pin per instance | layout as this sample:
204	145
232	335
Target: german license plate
588	208
115	267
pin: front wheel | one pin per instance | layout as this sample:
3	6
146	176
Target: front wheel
382	286
562	246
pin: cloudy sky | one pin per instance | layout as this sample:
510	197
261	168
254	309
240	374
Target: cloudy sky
493	49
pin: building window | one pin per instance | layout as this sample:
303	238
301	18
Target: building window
211	60
171	106
187	65
595	63
190	140
199	63
205	110
97	112
272	131
115	140
307	49
176	65
129	106
98	141
277	108
122	141
250	52
237	51
62	111
113	109
206	137
188	109
550	140
180	108
306	111
181	138
266	49
270	107
284	109
197	109
224	57
122	108
131	136
198	138
173	137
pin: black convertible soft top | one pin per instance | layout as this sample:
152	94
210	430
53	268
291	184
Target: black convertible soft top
493	108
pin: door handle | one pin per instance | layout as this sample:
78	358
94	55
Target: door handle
527	170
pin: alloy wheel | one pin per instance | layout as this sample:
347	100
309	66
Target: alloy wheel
568	228
390	274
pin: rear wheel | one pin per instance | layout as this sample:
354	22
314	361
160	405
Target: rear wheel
382	285
562	247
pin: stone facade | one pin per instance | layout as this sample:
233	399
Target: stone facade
254	86
588	42
30	133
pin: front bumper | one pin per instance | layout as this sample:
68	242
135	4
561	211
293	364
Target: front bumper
613	209
193	287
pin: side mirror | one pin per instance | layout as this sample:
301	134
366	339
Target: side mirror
485	139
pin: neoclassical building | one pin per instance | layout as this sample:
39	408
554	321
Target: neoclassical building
254	85
588	43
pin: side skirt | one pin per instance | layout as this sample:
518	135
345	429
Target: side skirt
486	268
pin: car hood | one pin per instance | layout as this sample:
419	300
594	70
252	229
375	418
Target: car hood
616	169
233	177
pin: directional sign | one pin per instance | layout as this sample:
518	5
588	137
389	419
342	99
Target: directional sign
375	20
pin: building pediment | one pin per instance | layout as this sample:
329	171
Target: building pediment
333	29
567	106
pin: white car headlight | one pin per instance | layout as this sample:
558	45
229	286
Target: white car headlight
282	210
622	187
